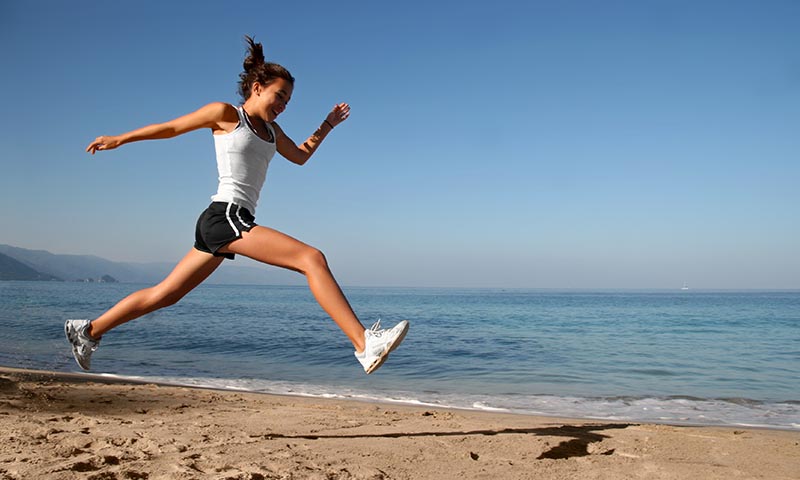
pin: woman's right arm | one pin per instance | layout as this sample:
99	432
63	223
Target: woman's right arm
216	116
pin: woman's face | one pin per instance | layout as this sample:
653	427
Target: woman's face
271	100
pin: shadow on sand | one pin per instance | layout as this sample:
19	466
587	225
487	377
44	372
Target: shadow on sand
581	437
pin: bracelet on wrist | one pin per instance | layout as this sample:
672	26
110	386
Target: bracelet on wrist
329	123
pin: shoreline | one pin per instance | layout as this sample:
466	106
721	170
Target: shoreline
88	377
72	425
400	398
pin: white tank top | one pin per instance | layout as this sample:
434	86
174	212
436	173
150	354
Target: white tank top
242	161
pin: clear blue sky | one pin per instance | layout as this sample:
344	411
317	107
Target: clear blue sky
500	144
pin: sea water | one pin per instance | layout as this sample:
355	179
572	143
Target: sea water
684	357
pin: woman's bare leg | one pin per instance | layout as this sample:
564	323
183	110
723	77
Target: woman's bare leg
275	248
195	267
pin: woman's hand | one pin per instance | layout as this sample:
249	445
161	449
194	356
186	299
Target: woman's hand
103	143
339	114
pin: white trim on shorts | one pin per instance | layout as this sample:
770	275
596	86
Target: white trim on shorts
238	210
230	220
238	217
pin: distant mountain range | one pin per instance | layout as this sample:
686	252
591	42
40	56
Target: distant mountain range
22	264
11	269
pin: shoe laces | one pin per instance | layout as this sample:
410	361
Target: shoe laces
375	329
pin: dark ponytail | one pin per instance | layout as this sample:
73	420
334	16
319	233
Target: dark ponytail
257	69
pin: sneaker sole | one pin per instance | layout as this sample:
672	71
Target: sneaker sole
378	362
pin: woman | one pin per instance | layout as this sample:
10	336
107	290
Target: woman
245	138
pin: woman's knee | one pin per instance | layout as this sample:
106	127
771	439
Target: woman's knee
313	259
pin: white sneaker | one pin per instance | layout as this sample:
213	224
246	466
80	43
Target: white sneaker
83	345
379	343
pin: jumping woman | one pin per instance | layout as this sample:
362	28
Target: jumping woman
246	138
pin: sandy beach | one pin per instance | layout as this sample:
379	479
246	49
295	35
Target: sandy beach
65	426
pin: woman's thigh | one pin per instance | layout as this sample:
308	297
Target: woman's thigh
270	246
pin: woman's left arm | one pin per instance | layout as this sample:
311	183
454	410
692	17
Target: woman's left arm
300	154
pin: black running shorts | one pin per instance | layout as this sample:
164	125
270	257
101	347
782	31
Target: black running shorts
220	224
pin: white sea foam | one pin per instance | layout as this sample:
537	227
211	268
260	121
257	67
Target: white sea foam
483	406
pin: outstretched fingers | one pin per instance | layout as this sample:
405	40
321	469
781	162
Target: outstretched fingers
102	143
339	113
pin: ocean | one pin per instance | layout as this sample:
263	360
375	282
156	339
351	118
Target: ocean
678	357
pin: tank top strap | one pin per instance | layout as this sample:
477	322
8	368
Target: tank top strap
243	121
272	132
